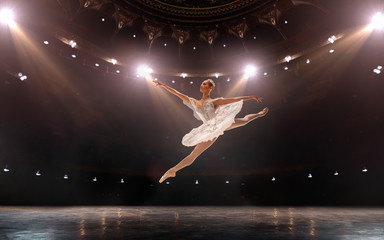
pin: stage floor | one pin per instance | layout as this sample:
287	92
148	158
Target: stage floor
191	223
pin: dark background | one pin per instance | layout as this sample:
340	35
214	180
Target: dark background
71	118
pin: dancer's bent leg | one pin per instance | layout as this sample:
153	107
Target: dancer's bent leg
239	122
188	160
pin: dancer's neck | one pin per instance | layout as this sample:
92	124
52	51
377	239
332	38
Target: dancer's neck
205	96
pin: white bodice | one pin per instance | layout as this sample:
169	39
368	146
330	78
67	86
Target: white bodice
204	113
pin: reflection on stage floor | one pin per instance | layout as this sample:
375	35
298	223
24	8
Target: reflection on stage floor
191	223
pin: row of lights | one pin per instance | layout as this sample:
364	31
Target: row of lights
66	177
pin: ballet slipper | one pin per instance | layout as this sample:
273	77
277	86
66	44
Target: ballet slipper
168	174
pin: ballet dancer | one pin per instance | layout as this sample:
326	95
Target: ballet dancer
218	115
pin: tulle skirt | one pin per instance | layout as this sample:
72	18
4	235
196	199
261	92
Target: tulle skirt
224	118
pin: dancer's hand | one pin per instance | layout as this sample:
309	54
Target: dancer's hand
258	99
157	83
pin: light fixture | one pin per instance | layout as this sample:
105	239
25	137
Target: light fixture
379	67
377	71
6	16
308	61
227	182
336	173
250	71
72	43
194	48
165	44
377	21
117	71
273	179
216	75
22	77
286	68
184	75
224	45
6	169
228	79
332	51
173	81
73	55
46	42
286	22
97	65
197	182
134	35
310	175
65	176
144	70
365	170
38	173
94	179
332	39
122	181
265	74
167	183
113	61
103	19
288	58
191	82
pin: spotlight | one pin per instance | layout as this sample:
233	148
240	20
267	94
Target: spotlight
191	82
94	179
377	71
265	74
97	65
184	75
249	71
38	173
197	182
72	43
173	81
309	175
73	55
122	180
308	61
336	173
288	58
286	68
65	176
332	39
6	169
117	71
46	42
6	16
113	61
377	21
144	70
379	67
332	51
365	170
227	182
216	75
273	179
167	183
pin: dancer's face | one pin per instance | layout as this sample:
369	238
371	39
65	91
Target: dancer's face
206	86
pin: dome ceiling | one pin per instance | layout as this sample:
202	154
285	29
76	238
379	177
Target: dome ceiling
196	35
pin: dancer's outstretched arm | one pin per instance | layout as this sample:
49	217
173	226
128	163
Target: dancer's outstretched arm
222	101
182	96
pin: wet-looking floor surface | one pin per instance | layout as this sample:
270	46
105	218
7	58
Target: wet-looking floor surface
191	223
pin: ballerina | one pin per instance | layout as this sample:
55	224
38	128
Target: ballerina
218	115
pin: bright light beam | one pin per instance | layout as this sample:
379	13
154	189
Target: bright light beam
144	70
6	17
249	71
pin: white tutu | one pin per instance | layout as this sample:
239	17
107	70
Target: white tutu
215	122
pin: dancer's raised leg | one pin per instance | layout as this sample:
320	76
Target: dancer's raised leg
188	160
239	122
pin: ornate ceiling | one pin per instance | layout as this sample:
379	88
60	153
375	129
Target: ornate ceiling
194	23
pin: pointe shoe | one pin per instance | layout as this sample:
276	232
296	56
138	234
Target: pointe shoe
168	174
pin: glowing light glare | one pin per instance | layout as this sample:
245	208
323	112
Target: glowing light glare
46	42
184	75
265	74
73	56
65	176
332	39
167	183
191	82
197	182
216	75
228	79
377	71
379	67
250	71
97	65
6	169
308	61
227	182
113	61
38	173
224	45
134	35
332	51
6	16
285	68
122	180
94	179
72	43
365	170
288	58
377	21
165	44
22	76
117	71
336	173
144	70
173	81
273	179
310	175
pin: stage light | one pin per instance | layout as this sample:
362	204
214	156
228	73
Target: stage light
97	65
167	183
103	19
379	67
65	176
254	38
6	169
286	68
73	55
173	81
308	61
286	22
224	45
113	61
144	70
197	182
165	44
332	39
228	79
336	173
94	179
22	76
184	75
46	42
310	175
377	71
117	71
227	182
332	51
273	179
265	74
122	181
250	71
38	173
134	35
6	16
194	48
191	82
365	170
72	43
137	75
216	75
288	59
377	21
